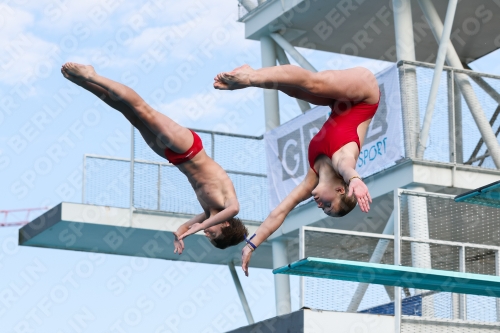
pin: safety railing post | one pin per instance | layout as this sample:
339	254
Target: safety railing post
497	272
84	175
212	148
463	297
397	259
452	124
132	158
159	186
301	256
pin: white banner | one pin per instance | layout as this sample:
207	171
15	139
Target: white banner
286	145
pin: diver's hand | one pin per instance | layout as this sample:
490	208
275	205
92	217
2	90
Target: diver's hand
194	228
178	245
246	253
360	191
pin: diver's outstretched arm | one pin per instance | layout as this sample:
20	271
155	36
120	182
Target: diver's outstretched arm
278	215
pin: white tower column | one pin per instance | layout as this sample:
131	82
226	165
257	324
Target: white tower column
271	102
405	49
272	116
281	281
420	252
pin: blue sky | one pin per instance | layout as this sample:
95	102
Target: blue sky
169	55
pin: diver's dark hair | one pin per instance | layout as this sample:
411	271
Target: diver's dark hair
232	234
346	203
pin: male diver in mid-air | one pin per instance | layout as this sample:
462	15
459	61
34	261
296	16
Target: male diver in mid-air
332	180
181	147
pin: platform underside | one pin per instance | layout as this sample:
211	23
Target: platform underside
366	28
103	229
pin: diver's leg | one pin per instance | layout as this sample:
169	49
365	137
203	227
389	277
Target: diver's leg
176	137
151	140
354	84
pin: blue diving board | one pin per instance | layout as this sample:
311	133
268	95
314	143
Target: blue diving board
390	275
488	195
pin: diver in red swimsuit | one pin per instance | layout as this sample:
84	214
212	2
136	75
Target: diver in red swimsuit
332	180
183	148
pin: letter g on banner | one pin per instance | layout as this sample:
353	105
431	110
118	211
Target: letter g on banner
290	150
296	157
379	125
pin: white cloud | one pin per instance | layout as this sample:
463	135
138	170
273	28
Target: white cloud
13	21
59	15
211	109
212	31
26	58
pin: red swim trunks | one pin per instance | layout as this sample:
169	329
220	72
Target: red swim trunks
179	158
340	129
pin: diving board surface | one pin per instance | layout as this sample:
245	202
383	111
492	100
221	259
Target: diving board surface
390	275
488	195
111	230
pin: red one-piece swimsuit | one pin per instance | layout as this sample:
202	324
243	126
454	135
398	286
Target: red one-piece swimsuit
340	129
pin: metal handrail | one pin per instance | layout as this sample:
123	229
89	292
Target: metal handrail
349	232
403	238
168	164
260	137
447	68
427	194
451	243
478	77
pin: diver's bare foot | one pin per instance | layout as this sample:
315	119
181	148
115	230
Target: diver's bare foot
238	78
85	72
70	77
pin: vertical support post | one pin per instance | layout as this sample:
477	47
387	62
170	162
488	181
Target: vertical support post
420	252
497	272
212	149
397	259
451	117
281	281
302	255
463	297
84	174
241	293
459	145
405	50
132	158
271	101
159	186
451	125
458	301
455	306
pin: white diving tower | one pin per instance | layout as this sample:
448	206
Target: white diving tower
458	152
449	147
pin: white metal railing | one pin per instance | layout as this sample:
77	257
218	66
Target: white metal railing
468	152
398	238
159	178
